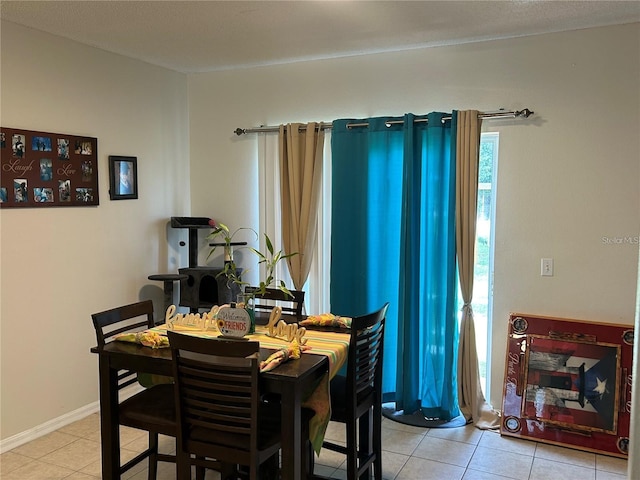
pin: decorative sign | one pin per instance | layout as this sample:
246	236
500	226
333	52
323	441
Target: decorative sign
282	329
233	322
40	169
568	382
190	320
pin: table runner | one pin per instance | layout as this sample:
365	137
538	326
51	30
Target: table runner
331	344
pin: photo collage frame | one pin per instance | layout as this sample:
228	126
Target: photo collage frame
43	169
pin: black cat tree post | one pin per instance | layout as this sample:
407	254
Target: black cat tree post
200	287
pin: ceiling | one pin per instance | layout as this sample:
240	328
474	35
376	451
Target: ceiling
200	36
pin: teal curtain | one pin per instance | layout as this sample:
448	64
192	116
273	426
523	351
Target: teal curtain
393	239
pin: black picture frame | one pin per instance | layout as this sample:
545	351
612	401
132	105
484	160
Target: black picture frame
123	177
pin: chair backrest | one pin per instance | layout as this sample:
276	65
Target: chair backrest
273	296
128	318
134	317
364	362
217	396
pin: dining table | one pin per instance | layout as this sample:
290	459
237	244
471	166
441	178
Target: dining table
296	381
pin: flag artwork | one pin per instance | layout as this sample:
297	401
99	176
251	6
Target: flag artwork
568	382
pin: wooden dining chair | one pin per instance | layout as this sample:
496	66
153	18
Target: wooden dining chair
219	412
152	409
356	399
264	302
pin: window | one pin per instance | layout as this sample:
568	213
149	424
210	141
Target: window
317	286
483	272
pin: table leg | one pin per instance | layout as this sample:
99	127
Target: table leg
292	452
109	428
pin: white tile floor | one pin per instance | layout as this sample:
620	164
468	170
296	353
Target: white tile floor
410	453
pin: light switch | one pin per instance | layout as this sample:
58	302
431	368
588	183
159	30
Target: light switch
546	267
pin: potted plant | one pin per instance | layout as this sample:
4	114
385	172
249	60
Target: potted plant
220	230
229	269
271	260
233	275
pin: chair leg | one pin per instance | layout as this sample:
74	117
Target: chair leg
365	442
254	471
269	468
228	471
153	456
352	449
183	465
200	472
377	441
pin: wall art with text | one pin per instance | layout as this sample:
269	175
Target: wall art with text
42	169
568	382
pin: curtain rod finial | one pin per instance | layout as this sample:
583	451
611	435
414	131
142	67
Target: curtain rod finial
239	131
524	113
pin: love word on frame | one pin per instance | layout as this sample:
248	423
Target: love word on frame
42	169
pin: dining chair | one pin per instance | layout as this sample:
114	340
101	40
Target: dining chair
356	399
219	412
264	302
152	409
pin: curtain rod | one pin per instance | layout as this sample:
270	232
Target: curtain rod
327	125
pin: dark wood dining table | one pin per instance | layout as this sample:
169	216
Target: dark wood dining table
292	380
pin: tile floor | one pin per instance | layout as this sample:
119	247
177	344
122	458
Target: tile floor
410	453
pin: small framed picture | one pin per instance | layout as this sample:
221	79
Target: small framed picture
123	177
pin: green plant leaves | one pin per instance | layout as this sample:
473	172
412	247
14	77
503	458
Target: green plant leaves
270	259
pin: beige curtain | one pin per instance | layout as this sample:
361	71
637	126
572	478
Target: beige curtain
472	402
300	180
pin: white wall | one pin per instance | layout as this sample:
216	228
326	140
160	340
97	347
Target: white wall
567	177
59	265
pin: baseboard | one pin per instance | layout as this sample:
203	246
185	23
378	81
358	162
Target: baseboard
52	425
